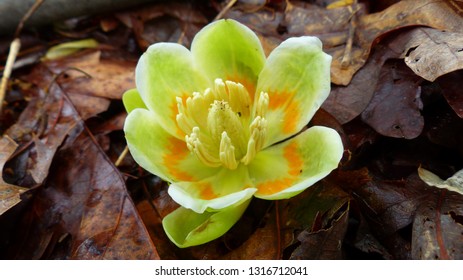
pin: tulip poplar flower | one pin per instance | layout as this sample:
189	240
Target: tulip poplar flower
222	123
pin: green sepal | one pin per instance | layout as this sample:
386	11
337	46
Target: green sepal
186	228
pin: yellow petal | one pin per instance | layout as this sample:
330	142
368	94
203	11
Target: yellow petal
223	189
296	77
288	168
160	152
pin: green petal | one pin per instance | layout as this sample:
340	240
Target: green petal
187	228
159	152
222	190
286	169
296	77
132	100
228	50
165	71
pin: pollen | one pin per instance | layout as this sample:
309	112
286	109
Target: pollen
221	126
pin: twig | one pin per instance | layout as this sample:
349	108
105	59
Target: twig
225	9
14	50
121	156
29	13
346	59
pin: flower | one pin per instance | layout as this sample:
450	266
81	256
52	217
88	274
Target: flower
222	123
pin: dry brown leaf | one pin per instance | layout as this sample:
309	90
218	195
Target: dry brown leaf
431	53
451	90
394	110
9	194
104	77
437	227
324	244
454	183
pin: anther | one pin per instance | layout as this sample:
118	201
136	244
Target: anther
227	152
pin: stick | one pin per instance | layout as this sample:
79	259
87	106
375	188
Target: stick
225	9
14	50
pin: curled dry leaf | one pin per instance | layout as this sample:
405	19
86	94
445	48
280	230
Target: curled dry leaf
431	53
325	243
9	194
454	183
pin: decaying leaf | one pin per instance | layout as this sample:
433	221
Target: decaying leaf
9	194
451	90
323	244
431	53
454	183
394	110
438	226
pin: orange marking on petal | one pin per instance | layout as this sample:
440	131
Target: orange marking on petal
292	114
271	187
207	191
278	99
295	163
291	111
176	152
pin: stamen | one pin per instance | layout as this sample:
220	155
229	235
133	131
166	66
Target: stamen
239	97
195	145
221	90
256	141
183	121
227	152
262	104
197	107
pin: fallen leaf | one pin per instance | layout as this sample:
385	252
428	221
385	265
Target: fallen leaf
431	53
454	183
324	244
82	210
98	77
165	22
394	110
438	226
451	90
9	194
348	102
261	245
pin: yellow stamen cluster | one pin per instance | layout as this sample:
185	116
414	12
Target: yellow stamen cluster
219	125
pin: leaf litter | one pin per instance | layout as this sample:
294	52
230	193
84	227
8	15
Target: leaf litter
395	99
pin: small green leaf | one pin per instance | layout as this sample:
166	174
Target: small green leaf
69	48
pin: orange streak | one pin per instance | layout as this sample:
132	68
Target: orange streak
295	164
176	153
293	158
207	191
285	101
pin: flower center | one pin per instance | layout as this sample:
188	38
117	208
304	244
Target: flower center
219	125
